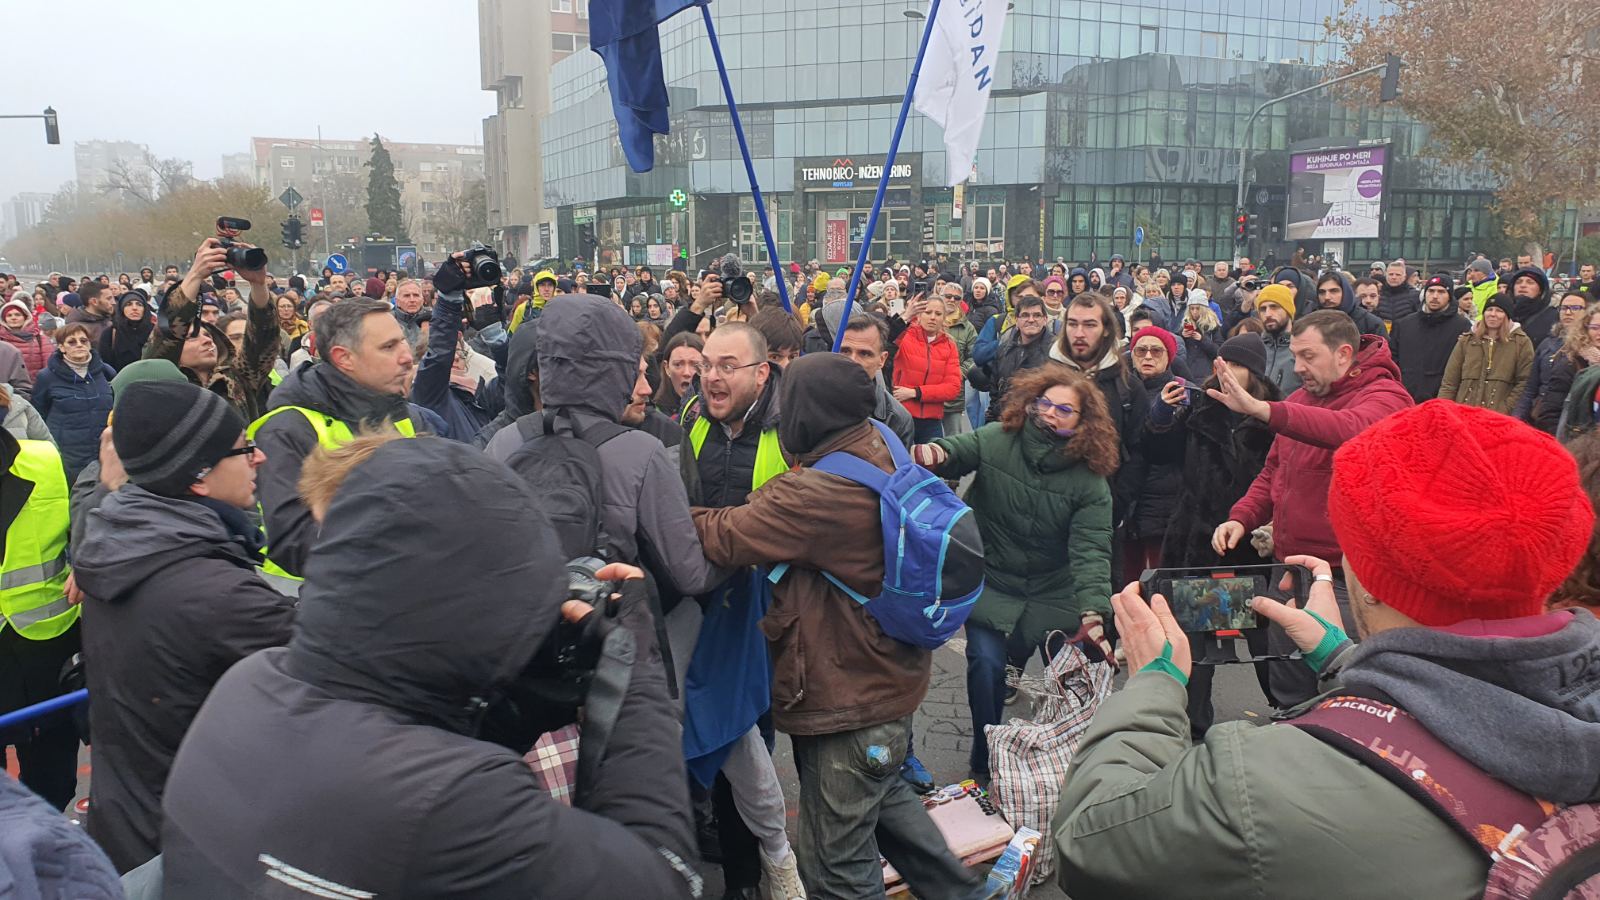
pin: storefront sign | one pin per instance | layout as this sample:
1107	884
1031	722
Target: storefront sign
582	214
859	171
836	243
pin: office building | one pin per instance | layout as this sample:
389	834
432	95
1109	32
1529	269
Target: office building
21	212
99	162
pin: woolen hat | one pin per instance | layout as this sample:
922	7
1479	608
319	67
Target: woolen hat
143	370
1498	301
1482	265
1246	349
1160	334
1440	280
374	288
167	433
1279	295
1401	525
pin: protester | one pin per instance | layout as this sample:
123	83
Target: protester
124	341
1348	381
1043	503
927	371
1334	291
1024	346
1491	364
1422	342
1530	303
338	744
1547	358
1454	639
1397	298
466	403
98	306
866	340
19	329
1580	349
842	689
73	394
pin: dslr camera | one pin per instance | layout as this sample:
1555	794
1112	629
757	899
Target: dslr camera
248	259
484	264
735	284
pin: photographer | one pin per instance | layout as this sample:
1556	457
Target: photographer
1456	651
203	352
351	760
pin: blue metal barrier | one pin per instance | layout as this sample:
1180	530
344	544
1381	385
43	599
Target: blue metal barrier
27	713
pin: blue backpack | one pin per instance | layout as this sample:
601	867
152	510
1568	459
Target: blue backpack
932	554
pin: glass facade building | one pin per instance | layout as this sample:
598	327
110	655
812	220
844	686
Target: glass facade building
1106	116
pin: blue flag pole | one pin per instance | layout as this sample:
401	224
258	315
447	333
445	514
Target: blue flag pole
749	168
883	180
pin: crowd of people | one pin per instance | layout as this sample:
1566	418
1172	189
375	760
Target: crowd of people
309	542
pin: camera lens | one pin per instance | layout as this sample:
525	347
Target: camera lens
249	260
737	289
486	270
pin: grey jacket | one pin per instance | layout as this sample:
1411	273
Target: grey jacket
893	413
14	374
588	355
22	420
1280	362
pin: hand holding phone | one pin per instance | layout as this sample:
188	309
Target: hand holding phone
1212	599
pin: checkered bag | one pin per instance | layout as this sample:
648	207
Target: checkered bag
554	760
1029	759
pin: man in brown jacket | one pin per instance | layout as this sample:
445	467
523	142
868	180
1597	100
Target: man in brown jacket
842	689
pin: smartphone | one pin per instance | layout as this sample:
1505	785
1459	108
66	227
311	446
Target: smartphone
1215	599
1190	390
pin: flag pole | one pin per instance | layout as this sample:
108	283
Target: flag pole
883	180
749	167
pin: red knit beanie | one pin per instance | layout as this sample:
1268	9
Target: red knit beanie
1160	334
1449	512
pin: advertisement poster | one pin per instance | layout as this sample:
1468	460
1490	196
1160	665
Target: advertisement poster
659	254
1336	194
836	240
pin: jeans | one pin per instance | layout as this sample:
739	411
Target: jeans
925	430
986	688
1292	681
854	806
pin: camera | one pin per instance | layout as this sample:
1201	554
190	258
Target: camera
735	286
1207	599
484	264
249	259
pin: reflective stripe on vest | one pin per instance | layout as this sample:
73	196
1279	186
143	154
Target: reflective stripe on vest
769	456
275	378
331	434
33	575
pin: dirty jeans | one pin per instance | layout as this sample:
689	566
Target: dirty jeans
854	807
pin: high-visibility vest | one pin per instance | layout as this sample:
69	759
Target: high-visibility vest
332	434
275	378
33	575
769	456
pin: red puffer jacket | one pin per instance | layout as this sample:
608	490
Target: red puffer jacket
933	369
35	345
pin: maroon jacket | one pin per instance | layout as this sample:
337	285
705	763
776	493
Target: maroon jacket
1292	490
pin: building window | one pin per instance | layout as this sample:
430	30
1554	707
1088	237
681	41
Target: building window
1214	44
561	6
1147	38
752	243
562	42
427	187
583	9
286	162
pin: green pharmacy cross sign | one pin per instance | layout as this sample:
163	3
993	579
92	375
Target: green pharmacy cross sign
678	198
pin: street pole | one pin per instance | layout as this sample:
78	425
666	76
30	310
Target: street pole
322	195
1244	143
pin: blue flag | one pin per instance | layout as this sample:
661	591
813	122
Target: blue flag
624	33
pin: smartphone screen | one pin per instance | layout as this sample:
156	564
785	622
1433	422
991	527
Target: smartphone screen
1214	603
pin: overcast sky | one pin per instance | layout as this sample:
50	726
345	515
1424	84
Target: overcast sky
164	73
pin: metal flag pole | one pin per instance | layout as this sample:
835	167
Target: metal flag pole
883	180
749	167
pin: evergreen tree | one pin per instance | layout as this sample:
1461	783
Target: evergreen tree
384	213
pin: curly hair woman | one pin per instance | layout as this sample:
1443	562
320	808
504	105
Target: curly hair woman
1043	500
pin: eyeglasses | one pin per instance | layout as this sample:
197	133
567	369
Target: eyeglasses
1053	292
1149	351
247	451
75	342
725	369
1566	308
1043	405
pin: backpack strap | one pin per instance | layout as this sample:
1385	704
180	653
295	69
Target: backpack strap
1489	814
846	465
897	450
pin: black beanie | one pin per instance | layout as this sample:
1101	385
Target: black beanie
1440	279
167	431
1501	302
1248	350
820	395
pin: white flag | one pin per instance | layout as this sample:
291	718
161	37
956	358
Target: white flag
960	66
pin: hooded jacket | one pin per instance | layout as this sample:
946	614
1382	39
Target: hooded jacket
173	602
1395	303
1305	288
833	668
75	407
522	360
1535	314
588	357
349	757
124	341
34	344
1291	490
464	412
1490	374
1421	344
287	439
1366	322
1248	802
22	420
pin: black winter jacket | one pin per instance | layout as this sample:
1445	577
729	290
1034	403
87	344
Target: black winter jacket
1536	316
1163	478
1223	453
1012	357
1544	360
348	759
465	412
173	602
1421	344
1395	303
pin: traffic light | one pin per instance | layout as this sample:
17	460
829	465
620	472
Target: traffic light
291	233
1241	224
1391	79
1253	228
52	128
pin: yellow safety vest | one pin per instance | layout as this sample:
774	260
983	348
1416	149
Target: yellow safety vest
33	575
769	456
275	378
332	434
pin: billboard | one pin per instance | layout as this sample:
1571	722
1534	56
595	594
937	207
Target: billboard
1336	194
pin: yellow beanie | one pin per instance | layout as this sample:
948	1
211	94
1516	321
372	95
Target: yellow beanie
820	283
1278	294
1013	281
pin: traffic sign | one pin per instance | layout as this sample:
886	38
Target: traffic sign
337	264
1138	235
316	217
290	197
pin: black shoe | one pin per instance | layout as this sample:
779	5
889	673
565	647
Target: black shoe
742	893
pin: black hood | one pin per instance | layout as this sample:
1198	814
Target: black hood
137	332
425	599
822	394
134	534
322	387
1348	304
589	352
521	360
1305	289
1523	309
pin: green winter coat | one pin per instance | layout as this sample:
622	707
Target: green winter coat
1488	374
965	336
1046	526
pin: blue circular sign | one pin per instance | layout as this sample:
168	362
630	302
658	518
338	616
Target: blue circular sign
1138	235
337	264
